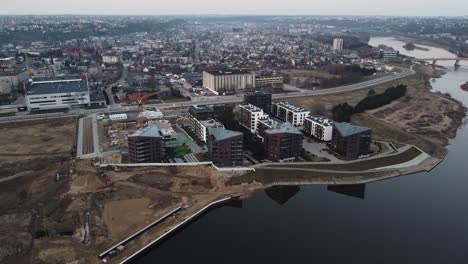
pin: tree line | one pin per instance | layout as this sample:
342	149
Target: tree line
343	112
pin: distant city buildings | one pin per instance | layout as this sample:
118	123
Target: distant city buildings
111	57
228	82
146	145
389	54
338	44
351	141
271	81
259	99
58	94
10	78
319	127
287	112
225	147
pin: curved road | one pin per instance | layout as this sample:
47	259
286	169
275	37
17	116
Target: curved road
213	100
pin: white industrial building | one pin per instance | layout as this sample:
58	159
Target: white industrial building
58	94
225	82
250	116
319	127
287	112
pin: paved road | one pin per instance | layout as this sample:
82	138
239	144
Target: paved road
213	100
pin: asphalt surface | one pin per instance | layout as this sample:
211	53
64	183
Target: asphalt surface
212	100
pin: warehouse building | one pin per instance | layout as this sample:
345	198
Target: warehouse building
58	94
146	145
225	147
228	82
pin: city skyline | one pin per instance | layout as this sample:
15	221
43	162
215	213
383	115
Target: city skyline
240	7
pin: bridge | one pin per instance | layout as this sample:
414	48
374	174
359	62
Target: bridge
435	60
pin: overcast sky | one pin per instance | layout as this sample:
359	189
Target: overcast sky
289	7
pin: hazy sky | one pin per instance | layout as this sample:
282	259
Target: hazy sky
301	7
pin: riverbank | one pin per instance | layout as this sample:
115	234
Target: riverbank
464	87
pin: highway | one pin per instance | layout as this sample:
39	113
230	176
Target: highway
211	100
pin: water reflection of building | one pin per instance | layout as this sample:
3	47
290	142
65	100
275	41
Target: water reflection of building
356	190
282	194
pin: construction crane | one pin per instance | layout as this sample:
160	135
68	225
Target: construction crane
141	119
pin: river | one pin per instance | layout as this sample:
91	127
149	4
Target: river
421	218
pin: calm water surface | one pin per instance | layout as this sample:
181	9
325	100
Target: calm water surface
422	218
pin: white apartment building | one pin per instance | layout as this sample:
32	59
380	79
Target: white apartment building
287	112
319	127
250	116
338	44
200	127
58	94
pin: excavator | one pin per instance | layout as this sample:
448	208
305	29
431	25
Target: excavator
141	119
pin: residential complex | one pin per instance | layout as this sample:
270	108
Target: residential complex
146	145
249	117
351	141
271	81
319	127
225	147
201	117
228	82
287	112
259	99
58	94
282	142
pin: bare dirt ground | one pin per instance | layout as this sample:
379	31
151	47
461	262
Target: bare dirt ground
30	145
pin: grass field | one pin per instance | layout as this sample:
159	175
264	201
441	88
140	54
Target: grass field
362	165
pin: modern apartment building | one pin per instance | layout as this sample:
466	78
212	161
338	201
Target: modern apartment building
338	44
351	141
259	99
201	117
282	142
250	115
146	145
287	112
228	82
319	127
225	147
272	81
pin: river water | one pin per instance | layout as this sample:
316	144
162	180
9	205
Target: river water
421	218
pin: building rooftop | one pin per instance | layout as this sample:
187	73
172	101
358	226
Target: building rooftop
291	107
151	131
211	123
285	127
268	122
221	133
346	129
251	108
200	108
320	120
229	72
61	86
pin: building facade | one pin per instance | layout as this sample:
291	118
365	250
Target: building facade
259	99
319	127
201	112
389	54
287	112
146	145
228	82
282	142
273	81
201	117
9	79
225	147
338	44
58	94
249	117
351	141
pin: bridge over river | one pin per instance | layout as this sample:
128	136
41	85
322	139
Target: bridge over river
435	60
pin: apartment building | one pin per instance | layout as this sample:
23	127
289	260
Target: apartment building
146	145
287	112
249	117
319	127
225	147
